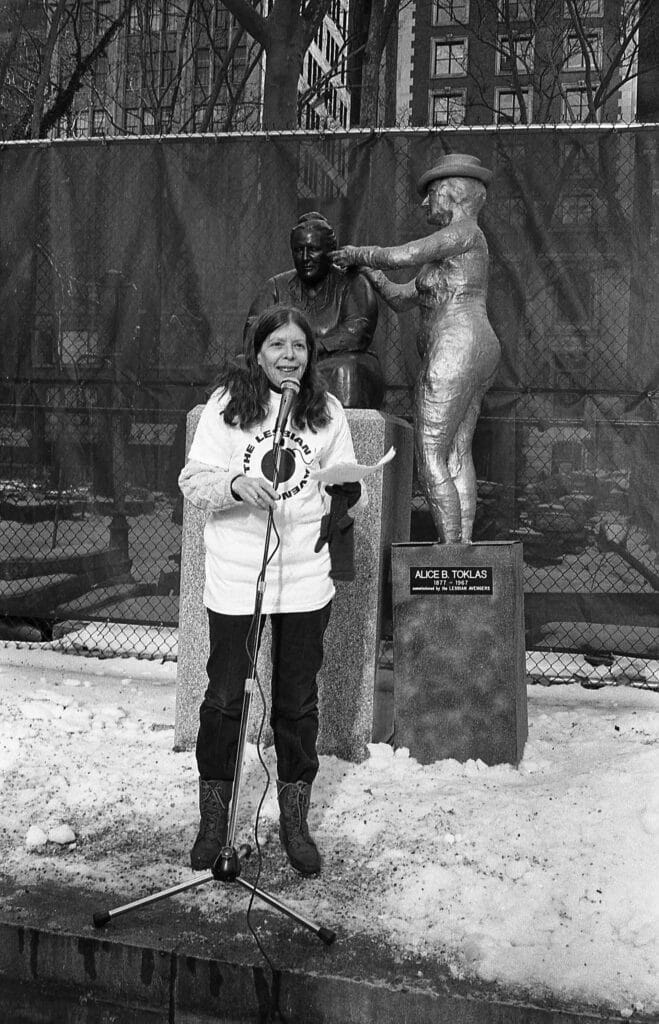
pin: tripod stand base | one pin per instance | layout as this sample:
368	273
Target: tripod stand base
225	869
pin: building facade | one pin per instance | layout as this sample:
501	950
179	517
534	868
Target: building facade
165	72
165	67
324	93
516	61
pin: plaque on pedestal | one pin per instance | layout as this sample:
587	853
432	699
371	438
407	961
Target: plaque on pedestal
459	658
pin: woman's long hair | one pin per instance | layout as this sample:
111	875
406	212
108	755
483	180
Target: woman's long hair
249	386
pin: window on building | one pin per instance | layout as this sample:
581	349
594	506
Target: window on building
449	58
447	109
575	105
168	61
571	376
576	161
583	8
513	209
444	12
133	121
576	209
567	456
101	74
576	50
154	18
515	10
219	117
202	73
509	107
149	121
81	123
100	122
311	119
241	58
519	51
103	15
133	80
576	310
339	15
313	71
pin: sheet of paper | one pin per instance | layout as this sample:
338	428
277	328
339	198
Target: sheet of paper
350	472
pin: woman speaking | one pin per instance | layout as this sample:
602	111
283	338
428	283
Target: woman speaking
229	473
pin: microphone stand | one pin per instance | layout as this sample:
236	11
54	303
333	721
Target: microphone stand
228	864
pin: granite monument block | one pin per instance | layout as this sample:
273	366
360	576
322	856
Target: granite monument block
459	657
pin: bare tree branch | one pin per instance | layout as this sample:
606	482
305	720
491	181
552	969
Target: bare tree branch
179	62
64	96
236	97
222	78
603	73
8	56
47	57
253	22
318	88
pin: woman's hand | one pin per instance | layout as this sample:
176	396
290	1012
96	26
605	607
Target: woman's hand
346	256
255	491
377	278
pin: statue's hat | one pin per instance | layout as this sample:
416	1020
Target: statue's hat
455	165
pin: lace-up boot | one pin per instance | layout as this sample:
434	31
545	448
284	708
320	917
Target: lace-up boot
214	799
300	848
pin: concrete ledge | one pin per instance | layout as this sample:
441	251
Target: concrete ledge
164	964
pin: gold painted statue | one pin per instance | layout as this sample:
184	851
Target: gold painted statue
341	308
459	348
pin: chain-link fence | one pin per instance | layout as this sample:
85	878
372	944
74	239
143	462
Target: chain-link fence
128	267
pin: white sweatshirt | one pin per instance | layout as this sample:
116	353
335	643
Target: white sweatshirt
297	577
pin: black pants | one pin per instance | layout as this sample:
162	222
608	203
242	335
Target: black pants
297	655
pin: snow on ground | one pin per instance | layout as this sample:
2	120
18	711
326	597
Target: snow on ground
542	878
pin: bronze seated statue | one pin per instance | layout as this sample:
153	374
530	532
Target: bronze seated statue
341	306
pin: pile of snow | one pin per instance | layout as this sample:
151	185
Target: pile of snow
542	878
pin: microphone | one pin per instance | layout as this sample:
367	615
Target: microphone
289	389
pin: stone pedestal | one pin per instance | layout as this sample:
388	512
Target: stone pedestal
347	680
459	658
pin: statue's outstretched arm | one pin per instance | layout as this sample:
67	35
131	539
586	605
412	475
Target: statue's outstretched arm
446	242
400	297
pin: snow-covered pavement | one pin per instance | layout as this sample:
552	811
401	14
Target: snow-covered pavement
542	878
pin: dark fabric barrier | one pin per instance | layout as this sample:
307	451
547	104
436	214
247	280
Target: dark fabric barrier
127	267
